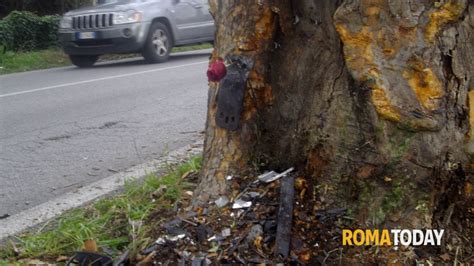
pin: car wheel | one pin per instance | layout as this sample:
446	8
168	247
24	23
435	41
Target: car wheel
158	44
83	60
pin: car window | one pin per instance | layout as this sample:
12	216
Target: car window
102	2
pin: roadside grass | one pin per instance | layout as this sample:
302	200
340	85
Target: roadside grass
192	47
116	223
12	62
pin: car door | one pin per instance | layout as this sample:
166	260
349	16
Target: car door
207	21
193	20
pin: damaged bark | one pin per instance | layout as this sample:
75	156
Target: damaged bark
368	99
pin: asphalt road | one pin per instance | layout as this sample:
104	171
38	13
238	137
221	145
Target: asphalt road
63	128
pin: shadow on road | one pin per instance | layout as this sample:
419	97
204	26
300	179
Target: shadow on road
139	61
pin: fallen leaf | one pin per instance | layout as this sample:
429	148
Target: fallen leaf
148	260
90	245
185	175
36	263
258	242
61	259
445	257
305	256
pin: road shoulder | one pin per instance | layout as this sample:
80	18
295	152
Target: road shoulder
49	210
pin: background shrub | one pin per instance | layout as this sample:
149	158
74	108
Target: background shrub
26	31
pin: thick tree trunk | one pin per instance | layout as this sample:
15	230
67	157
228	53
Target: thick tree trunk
367	98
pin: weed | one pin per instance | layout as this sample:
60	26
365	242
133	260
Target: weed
11	62
115	223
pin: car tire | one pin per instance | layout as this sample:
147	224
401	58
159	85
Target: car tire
158	44
83	60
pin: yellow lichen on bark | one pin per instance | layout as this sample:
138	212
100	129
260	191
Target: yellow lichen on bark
393	60
470	136
471	113
425	84
358	49
446	13
383	106
359	57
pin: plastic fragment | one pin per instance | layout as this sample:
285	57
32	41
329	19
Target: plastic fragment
272	175
225	232
160	241
253	194
240	204
176	238
222	201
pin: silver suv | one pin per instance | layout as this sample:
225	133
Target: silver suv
149	27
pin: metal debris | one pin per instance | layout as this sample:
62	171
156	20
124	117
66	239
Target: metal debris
252	194
272	175
88	258
285	217
297	20
162	240
151	248
222	201
240	204
197	261
255	231
226	232
123	259
175	238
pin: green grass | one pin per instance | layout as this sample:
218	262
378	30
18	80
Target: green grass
11	62
115	223
192	47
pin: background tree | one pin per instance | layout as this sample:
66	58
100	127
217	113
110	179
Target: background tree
368	99
41	7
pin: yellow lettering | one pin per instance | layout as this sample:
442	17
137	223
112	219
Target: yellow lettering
359	241
385	238
346	237
371	237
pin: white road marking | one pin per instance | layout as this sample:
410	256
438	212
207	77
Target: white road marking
98	79
39	214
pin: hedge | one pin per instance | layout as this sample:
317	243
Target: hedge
27	31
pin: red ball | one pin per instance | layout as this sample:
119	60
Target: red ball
216	71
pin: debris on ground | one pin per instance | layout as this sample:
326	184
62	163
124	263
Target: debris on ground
273	218
221	201
272	175
269	219
248	227
285	217
89	258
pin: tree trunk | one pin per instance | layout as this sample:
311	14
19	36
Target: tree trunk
367	98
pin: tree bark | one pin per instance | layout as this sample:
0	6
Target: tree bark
367	98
